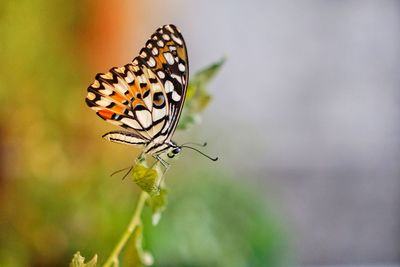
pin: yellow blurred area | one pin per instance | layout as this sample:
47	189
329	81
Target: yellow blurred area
51	51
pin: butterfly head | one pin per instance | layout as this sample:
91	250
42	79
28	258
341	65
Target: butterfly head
174	150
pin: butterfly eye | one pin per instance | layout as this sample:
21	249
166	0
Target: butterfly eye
173	152
176	150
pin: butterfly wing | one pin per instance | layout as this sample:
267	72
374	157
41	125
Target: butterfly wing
146	96
165	55
122	97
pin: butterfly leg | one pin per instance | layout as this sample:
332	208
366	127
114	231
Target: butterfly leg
162	161
166	166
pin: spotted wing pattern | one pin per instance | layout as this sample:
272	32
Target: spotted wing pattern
145	96
165	54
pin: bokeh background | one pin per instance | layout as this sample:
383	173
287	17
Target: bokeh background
305	119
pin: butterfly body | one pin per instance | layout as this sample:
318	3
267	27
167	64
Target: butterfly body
146	96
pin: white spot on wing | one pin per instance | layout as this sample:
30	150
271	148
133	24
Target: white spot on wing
168	57
160	43
103	102
121	86
106	91
169	87
131	123
123	138
161	74
156	87
144	116
129	77
107	75
169	28
154	51
157	128
120	70
109	87
177	40
95	84
158	113
181	67
177	78
175	96
166	37
141	79
151	62
91	96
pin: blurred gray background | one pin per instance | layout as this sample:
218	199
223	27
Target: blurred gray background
307	106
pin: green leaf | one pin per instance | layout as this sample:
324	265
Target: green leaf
158	204
134	254
146	178
197	97
79	261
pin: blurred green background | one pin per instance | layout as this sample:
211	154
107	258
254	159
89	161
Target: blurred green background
56	195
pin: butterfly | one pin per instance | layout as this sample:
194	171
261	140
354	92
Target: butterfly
146	96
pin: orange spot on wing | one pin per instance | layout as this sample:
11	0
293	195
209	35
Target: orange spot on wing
105	114
118	98
118	109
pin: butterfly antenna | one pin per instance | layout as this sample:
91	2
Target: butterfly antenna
195	144
130	169
121	170
205	155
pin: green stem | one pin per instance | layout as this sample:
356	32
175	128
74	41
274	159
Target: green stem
135	221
